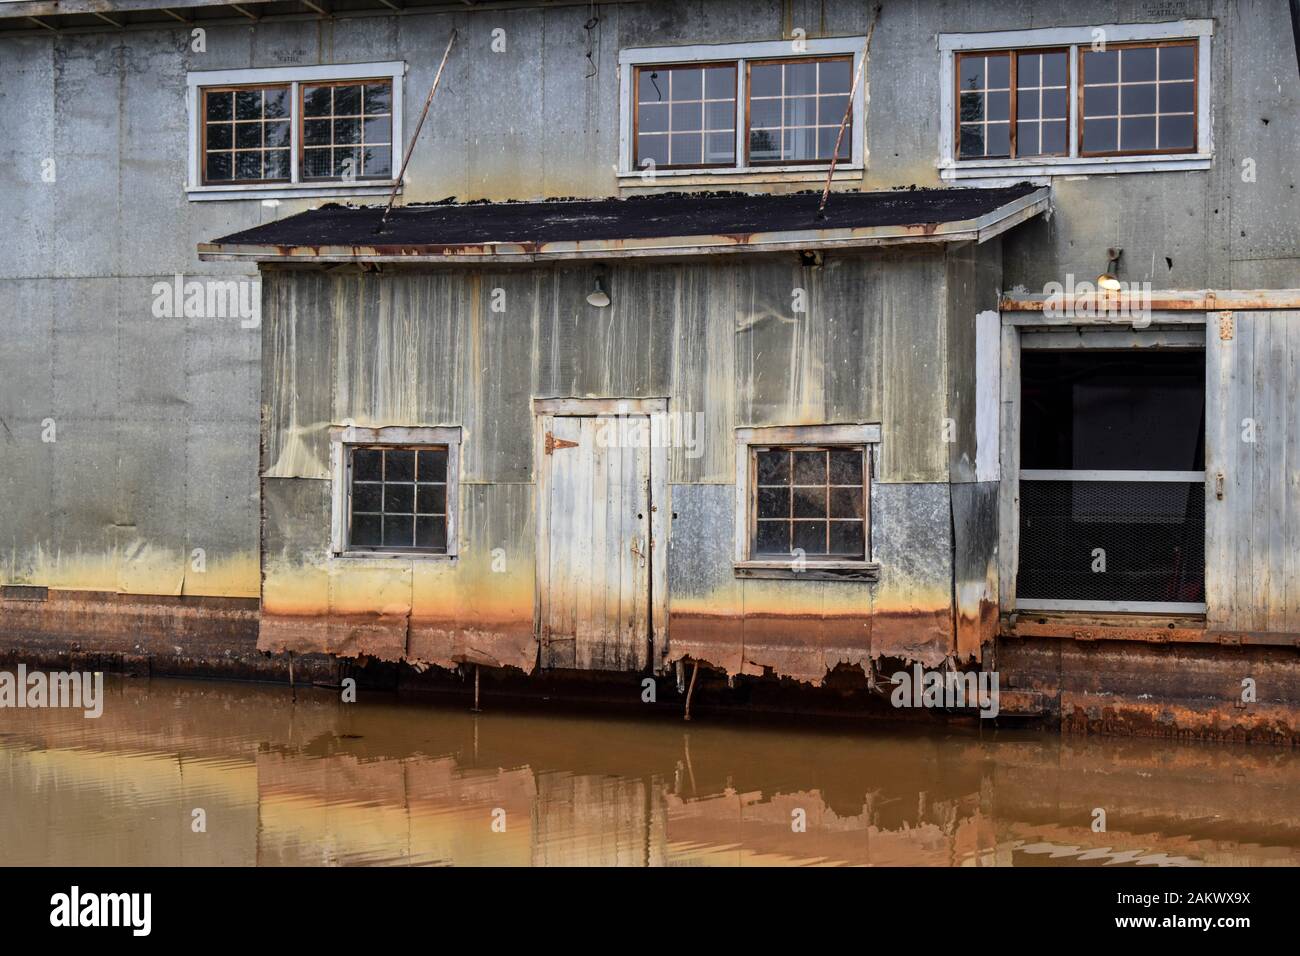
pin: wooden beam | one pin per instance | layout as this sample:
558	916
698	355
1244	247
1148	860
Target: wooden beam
174	15
106	19
310	5
41	23
239	9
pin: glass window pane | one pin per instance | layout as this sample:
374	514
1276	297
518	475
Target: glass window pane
379	130
1100	136
248	165
367	464
999	139
220	106
399	531
1056	70
1055	104
277	103
432	499
773	537
221	135
347	101
774	502
765	114
219	166
765	79
836	76
1137	65
685	149
720	83
399	464
652	118
997	106
248	135
652	86
1100	100
276	134
764	145
800	78
1100	66
347	131
720	116
316	132
810	536
248	104
774	467
367	496
998	72
432	465
846	502
687	117
378	98
1177	132
1177	98
720	148
431	533
809	467
1140	98
810	502
367	531
316	163
972	107
971	72
316	100
1028	70
399	498
1054	137
1178	62
1137	133
686	84
846	467
652	148
276	164
847	538
801	111
972	141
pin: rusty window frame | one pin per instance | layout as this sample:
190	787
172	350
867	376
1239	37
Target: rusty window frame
423	496
301	119
704	101
837	115
346	441
235	123
828	519
1013	91
1194	80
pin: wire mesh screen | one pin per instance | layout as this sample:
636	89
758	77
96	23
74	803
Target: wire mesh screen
1112	541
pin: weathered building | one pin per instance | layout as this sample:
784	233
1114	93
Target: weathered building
631	399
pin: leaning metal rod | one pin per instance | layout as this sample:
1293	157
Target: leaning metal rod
848	111
695	670
410	148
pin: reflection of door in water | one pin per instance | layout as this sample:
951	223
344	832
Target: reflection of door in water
594	543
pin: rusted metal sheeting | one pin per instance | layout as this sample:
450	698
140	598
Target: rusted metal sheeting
733	344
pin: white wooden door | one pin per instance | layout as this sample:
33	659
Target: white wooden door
1252	471
594	544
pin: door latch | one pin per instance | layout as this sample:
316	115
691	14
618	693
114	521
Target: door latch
1218	486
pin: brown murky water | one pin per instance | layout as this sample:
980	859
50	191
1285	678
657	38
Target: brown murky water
388	782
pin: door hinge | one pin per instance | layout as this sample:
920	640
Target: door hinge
1226	324
553	443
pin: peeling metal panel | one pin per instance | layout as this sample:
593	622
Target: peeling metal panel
975	572
911	537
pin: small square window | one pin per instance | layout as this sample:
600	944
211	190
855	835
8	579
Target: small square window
804	501
395	490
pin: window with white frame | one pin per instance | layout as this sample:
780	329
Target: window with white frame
740	107
803	498
1118	98
395	490
318	130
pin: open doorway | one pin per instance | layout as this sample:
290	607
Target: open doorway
1112	481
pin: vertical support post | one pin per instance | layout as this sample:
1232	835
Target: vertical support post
695	670
476	707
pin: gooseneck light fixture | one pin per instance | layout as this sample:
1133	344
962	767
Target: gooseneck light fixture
1109	280
599	295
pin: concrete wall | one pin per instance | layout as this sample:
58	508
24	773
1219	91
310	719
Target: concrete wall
156	418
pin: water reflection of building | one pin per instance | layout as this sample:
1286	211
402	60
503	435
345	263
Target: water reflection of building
318	782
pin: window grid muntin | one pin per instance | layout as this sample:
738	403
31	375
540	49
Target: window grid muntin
646	72
983	91
828	520
1039	93
414	484
361	146
1119	116
833	120
235	124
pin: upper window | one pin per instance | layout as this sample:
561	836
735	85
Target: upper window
1077	99
313	130
1139	99
747	106
805	498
